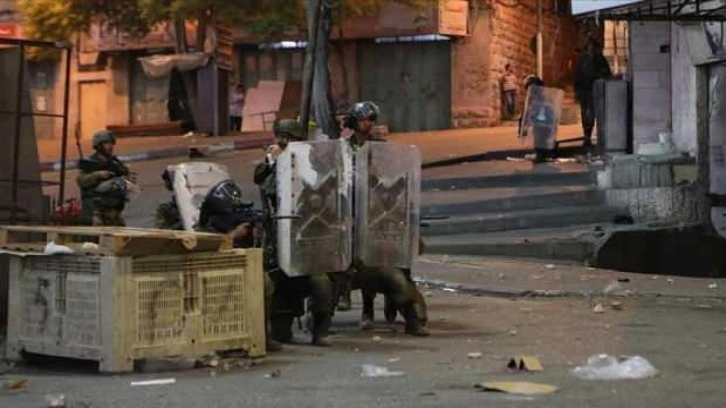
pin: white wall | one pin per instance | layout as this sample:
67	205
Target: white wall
683	103
651	80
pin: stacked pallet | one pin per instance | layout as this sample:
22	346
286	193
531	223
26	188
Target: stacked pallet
126	294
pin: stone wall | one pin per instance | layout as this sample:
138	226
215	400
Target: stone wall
499	35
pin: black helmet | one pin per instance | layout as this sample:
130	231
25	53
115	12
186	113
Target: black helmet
289	127
223	198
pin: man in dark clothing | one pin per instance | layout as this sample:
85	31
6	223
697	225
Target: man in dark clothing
591	67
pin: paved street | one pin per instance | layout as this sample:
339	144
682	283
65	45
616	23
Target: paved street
682	338
498	307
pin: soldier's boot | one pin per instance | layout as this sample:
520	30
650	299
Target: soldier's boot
281	330
415	326
368	315
321	328
390	310
271	344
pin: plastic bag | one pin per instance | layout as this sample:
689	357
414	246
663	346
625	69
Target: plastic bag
606	367
370	370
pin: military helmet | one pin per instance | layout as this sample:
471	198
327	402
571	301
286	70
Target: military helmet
367	109
289	127
101	137
223	198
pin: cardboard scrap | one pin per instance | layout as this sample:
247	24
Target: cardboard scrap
525	363
521	388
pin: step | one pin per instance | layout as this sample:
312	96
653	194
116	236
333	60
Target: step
574	243
507	199
511	180
519	220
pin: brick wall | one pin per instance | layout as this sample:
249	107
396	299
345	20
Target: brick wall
501	35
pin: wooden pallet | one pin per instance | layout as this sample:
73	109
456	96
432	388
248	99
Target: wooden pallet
111	240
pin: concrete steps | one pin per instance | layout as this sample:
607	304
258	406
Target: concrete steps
551	211
520	220
572	243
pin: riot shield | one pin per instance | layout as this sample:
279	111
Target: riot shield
192	182
314	184
541	116
387	204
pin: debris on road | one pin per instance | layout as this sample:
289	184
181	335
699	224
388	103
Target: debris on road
550	266
525	363
450	290
612	287
474	356
598	308
374	371
615	305
163	381
376	339
56	401
606	367
521	388
713	285
394	360
274	374
19	384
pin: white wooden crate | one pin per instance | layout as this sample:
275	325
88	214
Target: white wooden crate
115	310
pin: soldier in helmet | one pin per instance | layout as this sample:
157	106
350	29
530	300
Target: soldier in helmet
397	285
290	293
102	181
167	214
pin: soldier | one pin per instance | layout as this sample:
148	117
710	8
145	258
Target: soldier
167	214
217	214
102	183
290	293
396	284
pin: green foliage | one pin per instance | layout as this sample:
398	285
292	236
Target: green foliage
60	20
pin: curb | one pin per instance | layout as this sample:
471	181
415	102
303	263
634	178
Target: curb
236	145
480	291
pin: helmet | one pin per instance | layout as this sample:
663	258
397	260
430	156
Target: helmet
365	109
288	127
168	177
101	137
223	198
361	110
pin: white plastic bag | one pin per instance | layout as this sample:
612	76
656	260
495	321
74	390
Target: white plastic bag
370	370
606	367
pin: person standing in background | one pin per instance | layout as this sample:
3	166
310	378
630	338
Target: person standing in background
236	103
509	92
592	66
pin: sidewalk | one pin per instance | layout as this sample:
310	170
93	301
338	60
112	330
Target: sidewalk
435	145
503	277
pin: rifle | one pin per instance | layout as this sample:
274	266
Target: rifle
114	166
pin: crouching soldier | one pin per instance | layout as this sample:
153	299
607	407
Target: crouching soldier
102	181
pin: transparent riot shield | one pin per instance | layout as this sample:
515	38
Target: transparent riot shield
387	195
541	116
192	182
314	188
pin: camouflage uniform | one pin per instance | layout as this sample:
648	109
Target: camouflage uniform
102	206
396	285
290	293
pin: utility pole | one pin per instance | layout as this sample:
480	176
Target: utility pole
313	14
540	65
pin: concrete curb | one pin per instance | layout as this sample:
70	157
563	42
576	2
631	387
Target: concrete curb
476	290
235	145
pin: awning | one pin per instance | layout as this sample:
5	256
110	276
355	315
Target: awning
662	10
157	66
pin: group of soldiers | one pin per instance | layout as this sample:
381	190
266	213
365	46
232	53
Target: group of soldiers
286	298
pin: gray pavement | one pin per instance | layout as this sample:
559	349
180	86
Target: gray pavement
676	323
